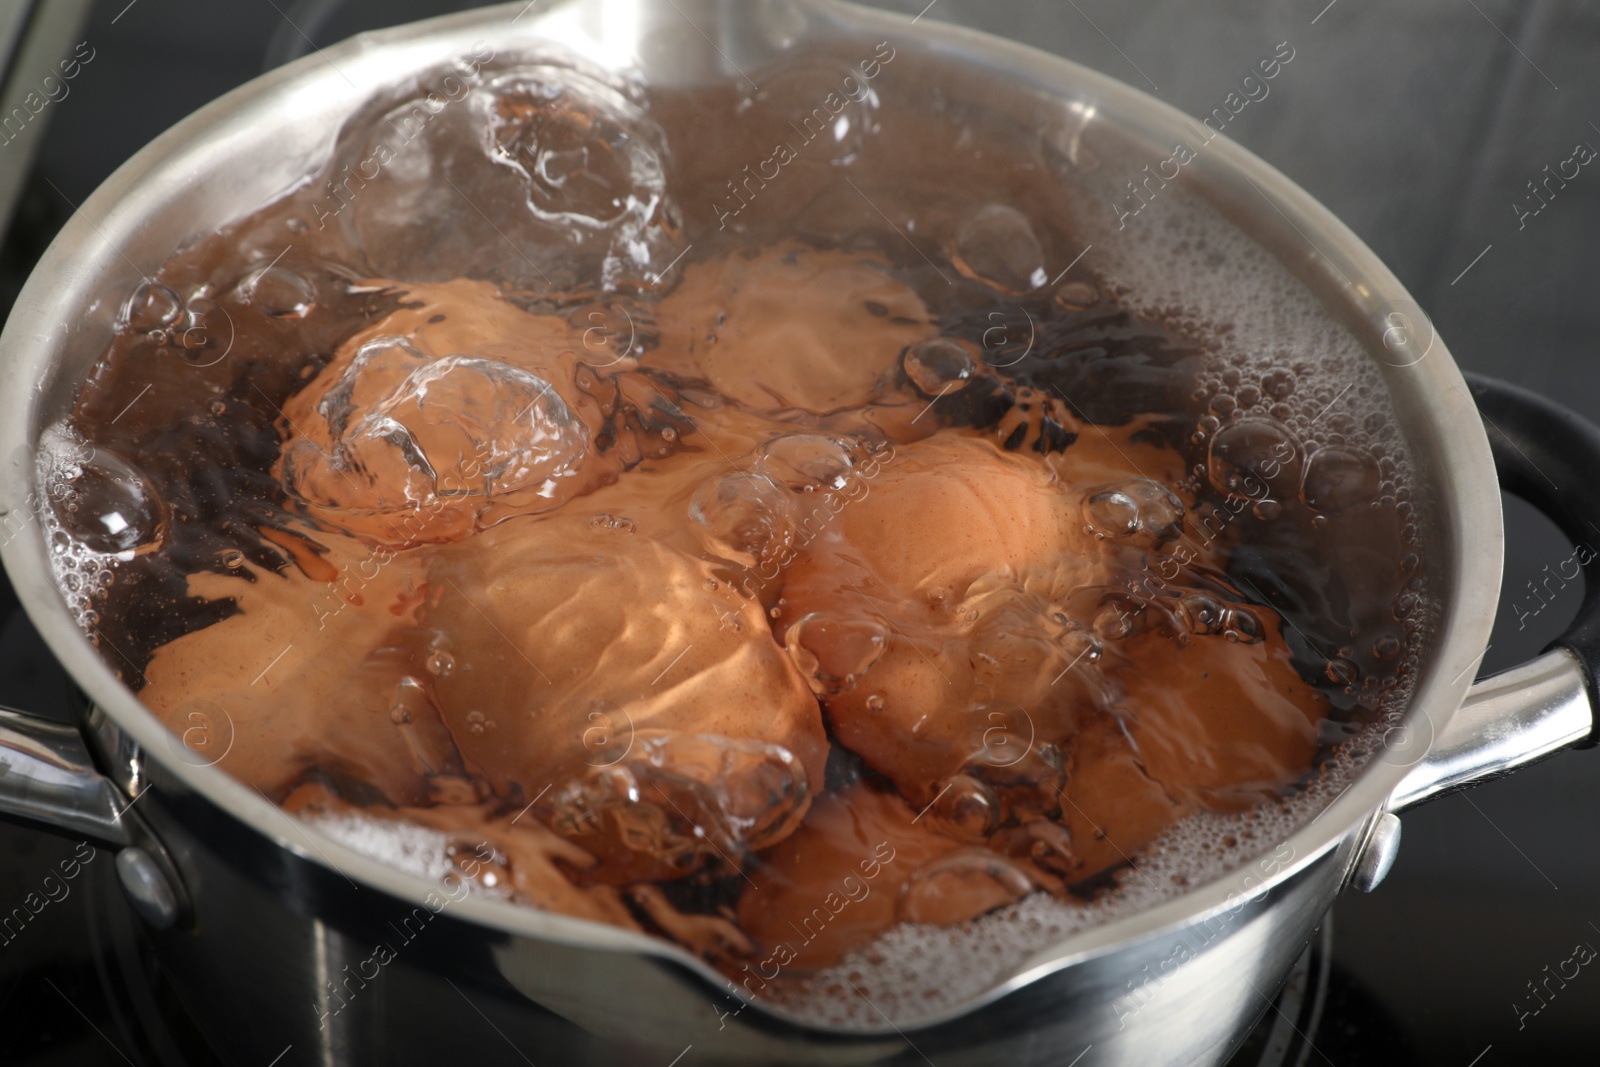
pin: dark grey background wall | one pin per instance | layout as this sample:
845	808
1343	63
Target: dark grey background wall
1418	124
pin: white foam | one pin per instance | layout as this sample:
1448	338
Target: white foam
1180	261
414	849
82	574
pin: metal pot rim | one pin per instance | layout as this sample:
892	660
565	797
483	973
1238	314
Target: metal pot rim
334	81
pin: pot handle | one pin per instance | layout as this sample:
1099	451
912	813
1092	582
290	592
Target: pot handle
1549	456
48	781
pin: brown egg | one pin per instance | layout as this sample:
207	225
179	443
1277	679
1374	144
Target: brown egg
307	675
596	671
927	612
461	409
836	882
789	327
1219	723
862	862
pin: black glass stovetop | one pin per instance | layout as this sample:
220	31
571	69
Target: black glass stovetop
1418	125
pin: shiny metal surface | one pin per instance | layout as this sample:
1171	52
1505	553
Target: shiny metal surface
147	887
311	941
1176	983
1378	854
47	778
1507	721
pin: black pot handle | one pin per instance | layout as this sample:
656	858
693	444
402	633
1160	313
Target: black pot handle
1550	456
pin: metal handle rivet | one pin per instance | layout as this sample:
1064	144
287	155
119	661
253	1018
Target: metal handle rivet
147	887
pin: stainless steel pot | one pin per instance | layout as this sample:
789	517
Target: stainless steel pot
269	929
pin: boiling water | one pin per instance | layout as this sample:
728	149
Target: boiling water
857	570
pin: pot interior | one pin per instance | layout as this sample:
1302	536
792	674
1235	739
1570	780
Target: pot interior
1162	209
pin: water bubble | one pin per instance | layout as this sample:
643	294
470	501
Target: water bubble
1255	458
453	427
613	523
1278	384
1341	671
1242	625
1076	296
151	306
1337	478
113	506
1047	844
833	653
834	132
1201	613
686	799
440	663
743	517
378	371
232	558
484	423
939	365
875	702
587	159
278	292
1137	510
1115	623
960	886
568	167
967	807
1079	643
576	161
807	461
996	244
